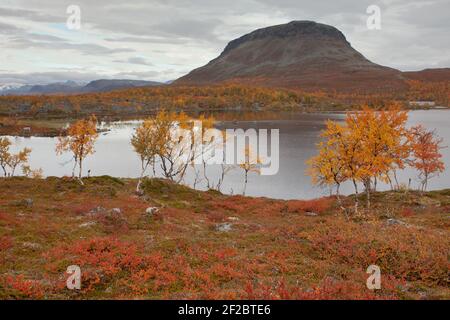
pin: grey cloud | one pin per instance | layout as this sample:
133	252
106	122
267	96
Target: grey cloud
155	40
29	15
139	60
60	44
47	77
136	60
6	28
188	33
187	28
138	74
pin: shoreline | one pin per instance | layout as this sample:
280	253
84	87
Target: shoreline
55	126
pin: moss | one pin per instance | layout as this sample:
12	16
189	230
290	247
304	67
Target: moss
104	180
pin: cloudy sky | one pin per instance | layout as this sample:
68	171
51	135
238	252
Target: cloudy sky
164	39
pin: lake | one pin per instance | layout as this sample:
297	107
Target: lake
299	134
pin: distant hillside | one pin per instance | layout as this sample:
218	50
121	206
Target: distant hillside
432	75
71	87
108	85
59	87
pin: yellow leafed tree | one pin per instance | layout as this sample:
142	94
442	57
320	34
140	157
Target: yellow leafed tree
8	161
80	141
370	146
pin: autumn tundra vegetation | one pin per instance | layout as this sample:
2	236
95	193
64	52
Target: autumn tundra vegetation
153	237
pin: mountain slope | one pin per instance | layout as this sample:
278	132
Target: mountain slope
302	54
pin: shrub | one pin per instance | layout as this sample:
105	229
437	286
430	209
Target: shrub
405	252
99	259
317	205
328	289
21	288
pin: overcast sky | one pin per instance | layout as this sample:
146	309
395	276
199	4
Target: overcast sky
162	40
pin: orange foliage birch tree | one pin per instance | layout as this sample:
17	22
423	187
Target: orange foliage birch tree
366	149
80	140
12	161
427	159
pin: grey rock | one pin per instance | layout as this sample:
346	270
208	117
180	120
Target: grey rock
27	202
151	210
97	210
116	211
31	245
224	227
391	222
87	224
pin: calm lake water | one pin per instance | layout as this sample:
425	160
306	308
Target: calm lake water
298	135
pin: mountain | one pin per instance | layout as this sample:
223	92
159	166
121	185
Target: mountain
57	87
108	85
301	54
14	88
73	87
10	86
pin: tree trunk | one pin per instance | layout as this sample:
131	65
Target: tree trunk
245	182
425	185
81	169
368	196
74	167
338	195
138	187
206	176
356	195
390	181
396	179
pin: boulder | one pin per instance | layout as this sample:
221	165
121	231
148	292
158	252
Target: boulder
97	210
87	224
116	211
26	202
31	245
224	227
391	222
151	210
